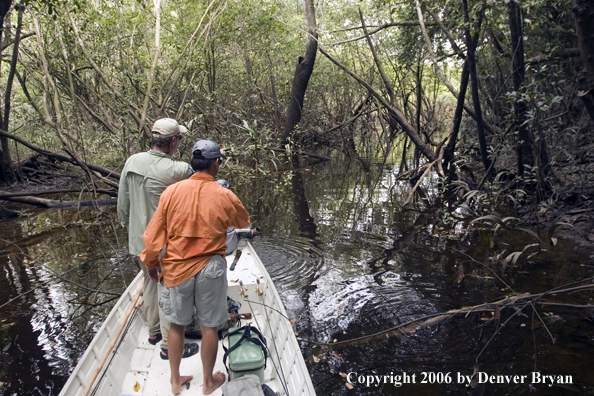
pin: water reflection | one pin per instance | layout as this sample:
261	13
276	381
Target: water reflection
307	226
61	272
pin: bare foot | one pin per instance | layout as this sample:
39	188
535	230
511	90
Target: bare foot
218	379
183	379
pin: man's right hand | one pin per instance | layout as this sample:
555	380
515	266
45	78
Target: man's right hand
153	273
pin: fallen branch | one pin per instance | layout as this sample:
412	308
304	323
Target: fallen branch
429	166
394	110
53	204
555	55
94	305
546	304
11	42
60	157
33	171
350	121
93	291
59	191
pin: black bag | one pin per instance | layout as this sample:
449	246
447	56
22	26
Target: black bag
232	307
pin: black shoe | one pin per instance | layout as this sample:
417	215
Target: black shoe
189	350
156	340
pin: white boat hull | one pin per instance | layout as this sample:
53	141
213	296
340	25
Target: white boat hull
133	366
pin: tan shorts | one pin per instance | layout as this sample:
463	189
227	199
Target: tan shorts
206	291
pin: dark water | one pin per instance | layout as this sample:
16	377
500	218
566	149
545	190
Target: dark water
61	273
348	261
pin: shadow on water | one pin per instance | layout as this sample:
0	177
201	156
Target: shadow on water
348	261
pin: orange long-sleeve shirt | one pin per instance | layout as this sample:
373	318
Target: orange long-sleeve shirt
191	220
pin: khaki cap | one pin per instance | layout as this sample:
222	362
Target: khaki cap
167	127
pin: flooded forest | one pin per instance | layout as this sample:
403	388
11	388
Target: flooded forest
421	173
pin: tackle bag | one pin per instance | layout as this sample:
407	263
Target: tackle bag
247	352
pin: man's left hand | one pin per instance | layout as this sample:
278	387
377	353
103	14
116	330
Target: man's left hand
153	273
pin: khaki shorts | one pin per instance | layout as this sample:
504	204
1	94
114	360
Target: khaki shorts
206	291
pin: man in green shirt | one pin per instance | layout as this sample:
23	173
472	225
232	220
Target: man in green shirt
144	177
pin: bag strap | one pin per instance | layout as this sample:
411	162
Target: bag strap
243	337
247	330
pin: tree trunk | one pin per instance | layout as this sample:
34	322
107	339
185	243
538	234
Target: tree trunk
475	94
96	168
448	158
583	13
303	72
277	118
524	147
6	171
151	76
248	71
392	120
307	225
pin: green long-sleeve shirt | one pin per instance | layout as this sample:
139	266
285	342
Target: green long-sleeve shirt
144	177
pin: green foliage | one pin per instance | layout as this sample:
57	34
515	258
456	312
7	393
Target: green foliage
54	7
512	225
257	147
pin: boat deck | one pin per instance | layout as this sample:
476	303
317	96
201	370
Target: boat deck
149	374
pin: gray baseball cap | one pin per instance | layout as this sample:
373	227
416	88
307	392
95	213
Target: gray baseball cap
167	127
207	149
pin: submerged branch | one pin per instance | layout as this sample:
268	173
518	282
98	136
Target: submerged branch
429	166
427	320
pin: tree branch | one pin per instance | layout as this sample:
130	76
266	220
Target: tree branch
380	28
396	112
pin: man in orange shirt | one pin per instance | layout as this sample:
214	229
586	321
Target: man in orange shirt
192	220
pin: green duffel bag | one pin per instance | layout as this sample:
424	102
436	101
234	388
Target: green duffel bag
247	352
